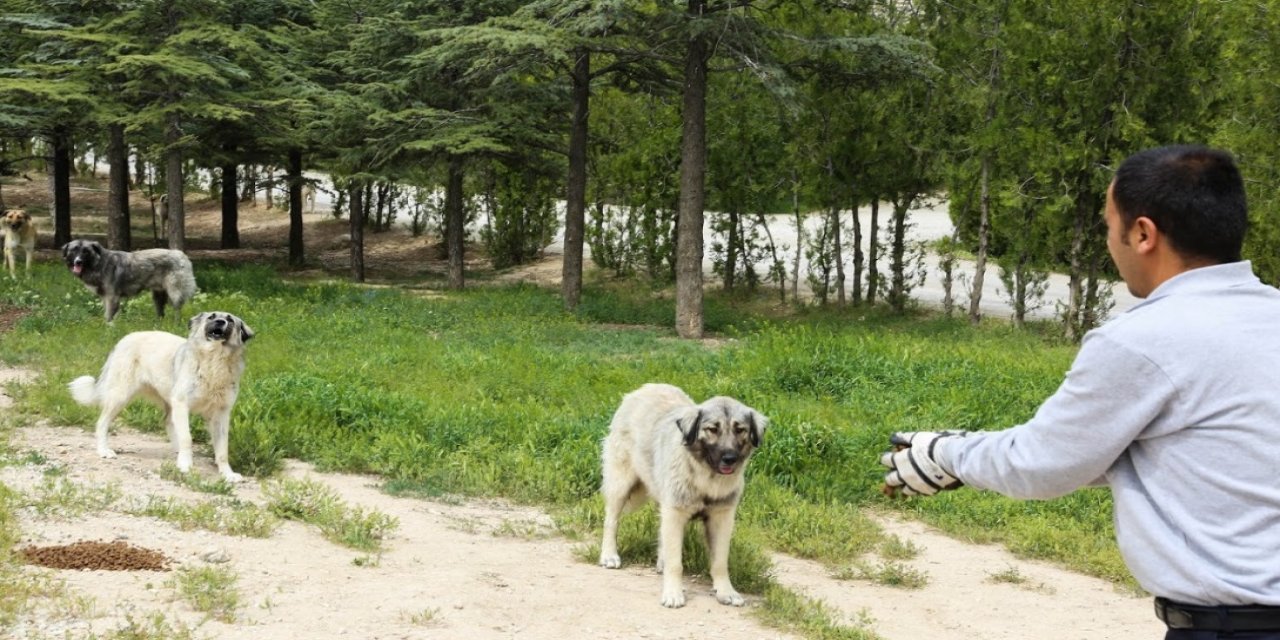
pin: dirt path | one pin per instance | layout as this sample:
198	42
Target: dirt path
454	562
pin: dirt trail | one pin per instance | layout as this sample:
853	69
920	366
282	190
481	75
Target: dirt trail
452	561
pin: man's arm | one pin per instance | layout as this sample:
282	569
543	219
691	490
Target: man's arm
1110	395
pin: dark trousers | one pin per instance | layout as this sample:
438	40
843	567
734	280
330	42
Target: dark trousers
1189	634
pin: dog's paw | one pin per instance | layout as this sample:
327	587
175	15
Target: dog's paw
104	452
610	560
730	597
232	476
184	463
673	599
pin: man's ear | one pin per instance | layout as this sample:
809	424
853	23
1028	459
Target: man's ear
1145	234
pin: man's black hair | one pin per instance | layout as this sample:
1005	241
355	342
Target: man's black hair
1193	194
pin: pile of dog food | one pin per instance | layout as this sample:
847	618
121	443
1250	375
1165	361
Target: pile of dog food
109	556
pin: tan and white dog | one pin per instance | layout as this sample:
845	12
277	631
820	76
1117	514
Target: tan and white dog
690	459
200	375
19	232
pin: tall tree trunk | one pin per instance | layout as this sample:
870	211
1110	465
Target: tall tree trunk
296	250
1020	289
250	192
859	258
836	244
731	250
357	231
174	185
693	166
269	188
948	265
1075	298
118	232
873	252
60	182
984	233
799	221
230	208
455	222
139	169
898	252
576	192
838	254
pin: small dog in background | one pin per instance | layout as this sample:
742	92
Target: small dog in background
688	457
200	375
114	275
19	232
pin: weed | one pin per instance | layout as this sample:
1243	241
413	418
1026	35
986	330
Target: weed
889	574
153	627
895	548
231	517
209	590
786	610
425	617
61	497
1011	575
314	503
195	481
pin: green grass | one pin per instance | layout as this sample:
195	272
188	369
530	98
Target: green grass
890	573
194	481
499	392
314	503
221	515
60	497
209	590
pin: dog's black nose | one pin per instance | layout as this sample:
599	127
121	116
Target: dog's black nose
729	457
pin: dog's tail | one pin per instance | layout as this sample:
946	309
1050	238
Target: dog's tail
85	390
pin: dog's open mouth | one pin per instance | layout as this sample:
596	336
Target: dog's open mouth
77	268
216	333
726	469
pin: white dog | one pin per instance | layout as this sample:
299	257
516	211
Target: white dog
689	458
200	374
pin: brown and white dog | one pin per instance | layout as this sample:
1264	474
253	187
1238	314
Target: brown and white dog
690	459
19	231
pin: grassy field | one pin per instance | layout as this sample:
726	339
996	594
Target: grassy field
499	392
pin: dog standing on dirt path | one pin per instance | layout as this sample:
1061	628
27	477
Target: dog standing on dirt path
19	232
200	375
688	457
113	275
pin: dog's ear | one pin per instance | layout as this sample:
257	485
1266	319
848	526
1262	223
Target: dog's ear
97	248
756	424
191	324
66	249
246	334
689	422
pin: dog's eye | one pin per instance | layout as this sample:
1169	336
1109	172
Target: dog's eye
712	429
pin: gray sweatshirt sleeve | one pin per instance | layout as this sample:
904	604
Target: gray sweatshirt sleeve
1110	395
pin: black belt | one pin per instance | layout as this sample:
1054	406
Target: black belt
1224	618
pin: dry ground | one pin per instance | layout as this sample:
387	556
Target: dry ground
477	569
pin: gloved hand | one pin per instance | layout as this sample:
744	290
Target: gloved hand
913	469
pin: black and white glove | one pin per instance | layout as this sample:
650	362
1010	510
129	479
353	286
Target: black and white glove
913	468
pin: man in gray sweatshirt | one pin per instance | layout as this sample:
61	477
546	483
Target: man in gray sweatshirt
1175	405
